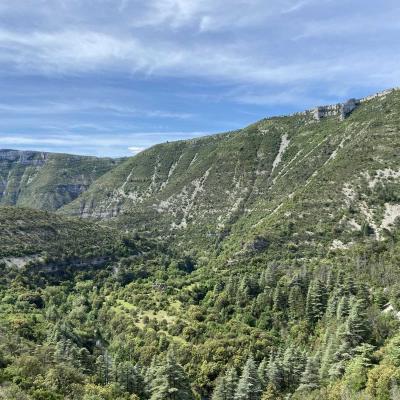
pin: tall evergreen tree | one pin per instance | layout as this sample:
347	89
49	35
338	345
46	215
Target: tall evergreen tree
226	386
316	302
310	378
295	303
275	373
249	386
130	378
356	324
271	393
280	299
171	382
342	308
104	367
293	365
269	277
343	353
263	373
329	350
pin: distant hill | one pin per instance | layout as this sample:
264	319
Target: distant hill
47	181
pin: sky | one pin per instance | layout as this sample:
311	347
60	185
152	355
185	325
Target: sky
113	77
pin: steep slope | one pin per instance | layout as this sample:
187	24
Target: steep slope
294	178
349	187
47	180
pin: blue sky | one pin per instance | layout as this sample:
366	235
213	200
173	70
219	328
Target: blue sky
111	77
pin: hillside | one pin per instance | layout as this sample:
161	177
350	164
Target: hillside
257	264
47	181
28	234
289	180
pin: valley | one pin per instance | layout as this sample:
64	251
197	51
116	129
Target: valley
261	263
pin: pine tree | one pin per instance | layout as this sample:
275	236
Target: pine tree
130	379
310	378
279	299
350	286
342	354
171	382
327	356
316	302
104	367
226	386
331	308
293	365
356	327
342	308
355	376
262	373
295	303
269	277
275	373
151	373
271	393
249	386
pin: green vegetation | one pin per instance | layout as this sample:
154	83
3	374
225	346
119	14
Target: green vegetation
215	271
39	234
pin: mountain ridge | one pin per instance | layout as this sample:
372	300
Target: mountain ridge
238	181
45	180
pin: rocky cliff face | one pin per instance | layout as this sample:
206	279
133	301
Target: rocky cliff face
46	180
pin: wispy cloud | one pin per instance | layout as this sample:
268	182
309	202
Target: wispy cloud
89	107
120	68
136	149
115	144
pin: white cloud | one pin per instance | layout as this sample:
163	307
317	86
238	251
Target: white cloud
246	42
136	149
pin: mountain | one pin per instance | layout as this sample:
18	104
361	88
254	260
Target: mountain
47	181
318	178
256	264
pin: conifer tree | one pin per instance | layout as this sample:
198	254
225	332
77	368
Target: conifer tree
329	351
226	386
151	373
275	373
271	393
310	378
104	367
332	304
342	308
356	324
293	365
263	373
295	303
316	302
130	378
355	376
342	355
269	277
171	382
279	299
249	386
350	286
